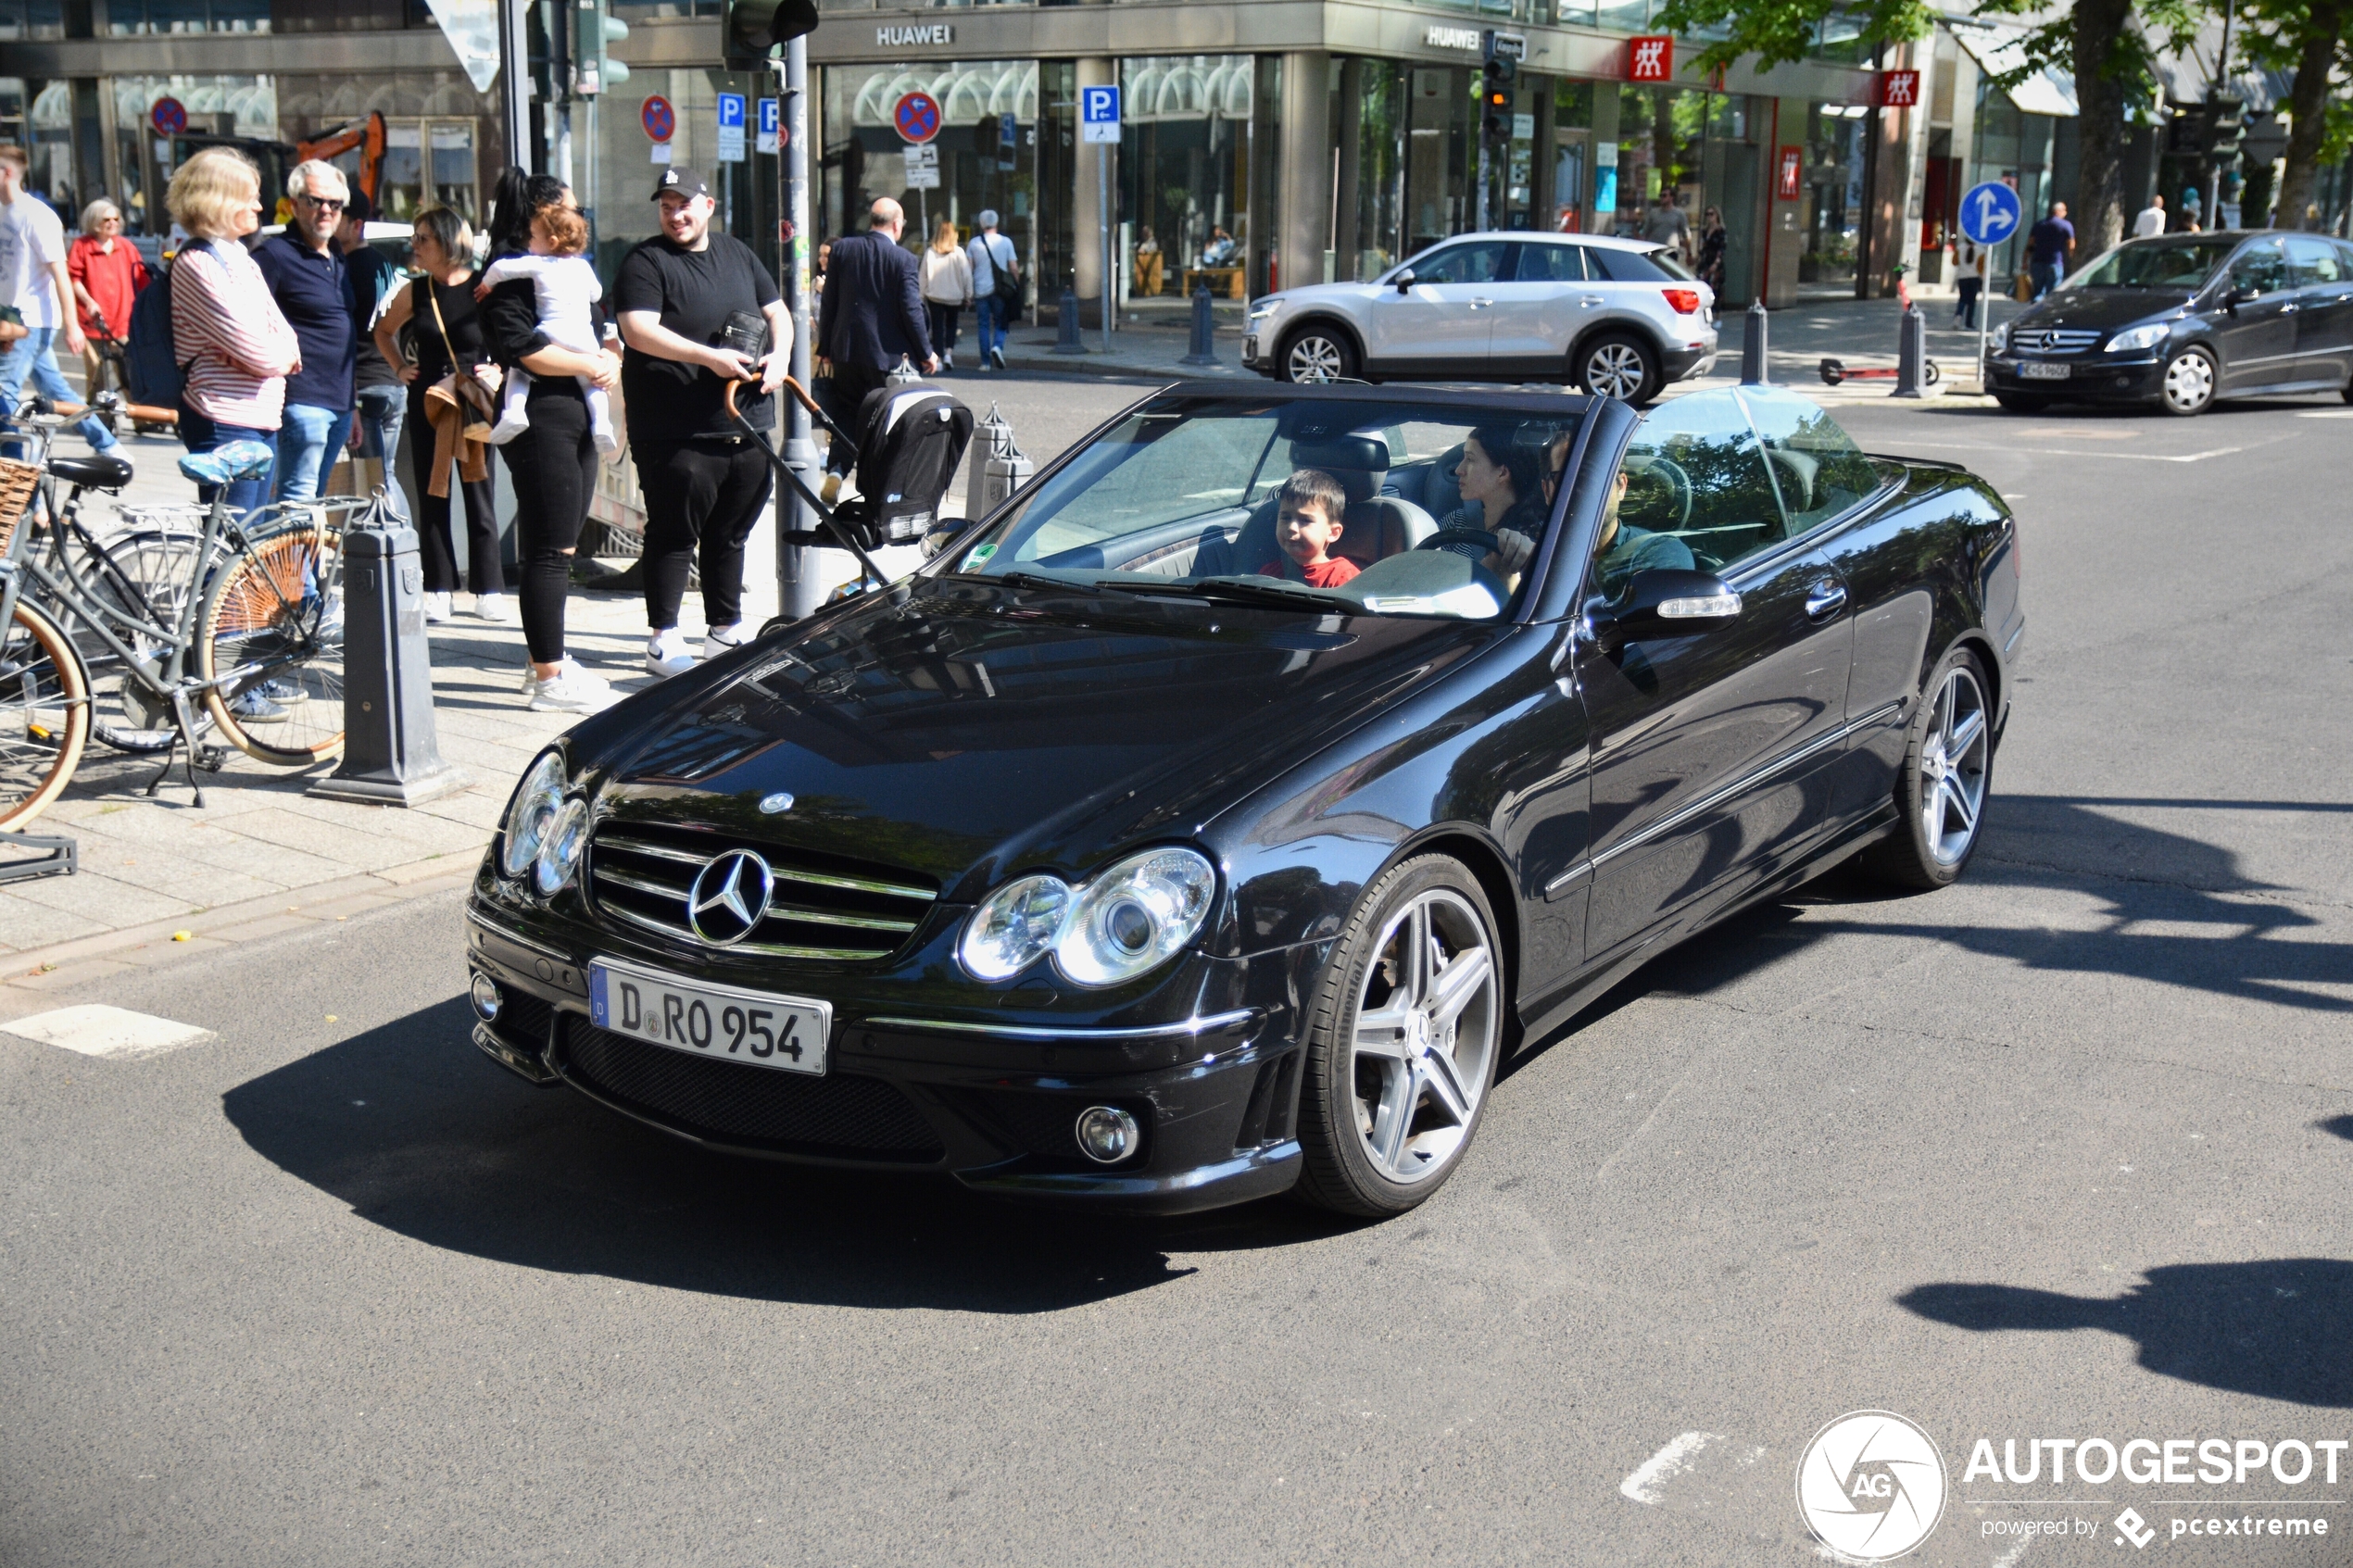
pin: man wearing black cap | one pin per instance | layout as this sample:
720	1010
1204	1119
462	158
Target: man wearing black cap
871	312
705	481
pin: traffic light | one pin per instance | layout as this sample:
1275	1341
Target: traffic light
598	30
757	28
1496	75
2225	128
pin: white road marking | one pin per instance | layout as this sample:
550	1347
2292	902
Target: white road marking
113	1033
2063	452
2328	414
1664	1465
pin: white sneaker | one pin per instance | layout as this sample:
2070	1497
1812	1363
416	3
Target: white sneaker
668	653
493	606
572	691
437	609
567	665
719	639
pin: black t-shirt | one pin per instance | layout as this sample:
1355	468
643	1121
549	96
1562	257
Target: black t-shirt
458	313
694	291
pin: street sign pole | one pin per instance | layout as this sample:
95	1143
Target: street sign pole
1991	213
797	590
1102	201
514	81
1099	113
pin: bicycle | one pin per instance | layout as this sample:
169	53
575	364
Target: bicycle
250	629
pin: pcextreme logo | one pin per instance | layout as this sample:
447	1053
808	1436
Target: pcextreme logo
1871	1485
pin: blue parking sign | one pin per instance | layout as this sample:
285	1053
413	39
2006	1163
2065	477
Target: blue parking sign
1099	114
1990	213
731	111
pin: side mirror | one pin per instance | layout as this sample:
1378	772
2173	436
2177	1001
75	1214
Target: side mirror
1405	280
1664	602
2245	293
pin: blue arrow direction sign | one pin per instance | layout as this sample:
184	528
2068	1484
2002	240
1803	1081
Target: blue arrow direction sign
1990	213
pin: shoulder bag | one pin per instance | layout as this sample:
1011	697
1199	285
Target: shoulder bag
462	382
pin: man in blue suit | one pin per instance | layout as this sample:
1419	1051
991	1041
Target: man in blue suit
872	313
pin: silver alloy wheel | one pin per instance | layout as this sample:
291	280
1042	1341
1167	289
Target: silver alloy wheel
1954	754
1427	1028
2189	381
1614	370
1314	358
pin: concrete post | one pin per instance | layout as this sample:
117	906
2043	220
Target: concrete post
1756	371
1066	338
391	755
1204	349
1911	355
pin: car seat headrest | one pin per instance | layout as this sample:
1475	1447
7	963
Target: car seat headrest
1359	462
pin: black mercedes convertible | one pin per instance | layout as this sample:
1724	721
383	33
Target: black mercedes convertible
1215	819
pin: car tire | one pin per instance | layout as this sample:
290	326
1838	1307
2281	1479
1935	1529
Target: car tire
1402	1051
1618	365
2189	381
1317	353
1942	791
2021	402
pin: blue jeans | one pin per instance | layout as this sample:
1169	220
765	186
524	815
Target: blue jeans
2046	276
308	443
198	433
990	322
380	411
33	358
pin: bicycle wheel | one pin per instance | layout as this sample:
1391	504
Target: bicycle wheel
273	614
44	715
144	576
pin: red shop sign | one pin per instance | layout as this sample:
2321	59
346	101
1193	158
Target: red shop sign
1650	59
1899	89
1792	169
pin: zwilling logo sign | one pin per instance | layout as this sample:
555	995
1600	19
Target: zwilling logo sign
902	37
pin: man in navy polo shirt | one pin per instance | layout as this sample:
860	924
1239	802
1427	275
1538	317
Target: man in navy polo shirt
305	273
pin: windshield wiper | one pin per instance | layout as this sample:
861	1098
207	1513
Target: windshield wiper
1038	580
1268	592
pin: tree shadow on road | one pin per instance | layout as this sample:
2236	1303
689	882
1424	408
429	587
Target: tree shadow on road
2276	1328
419	1133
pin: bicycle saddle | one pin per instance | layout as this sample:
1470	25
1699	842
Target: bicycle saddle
228	463
98	471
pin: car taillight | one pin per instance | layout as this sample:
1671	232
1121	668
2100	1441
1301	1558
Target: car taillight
1685	301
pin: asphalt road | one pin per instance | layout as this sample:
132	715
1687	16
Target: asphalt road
2062	1152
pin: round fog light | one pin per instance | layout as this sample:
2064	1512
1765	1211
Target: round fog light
486	998
1106	1134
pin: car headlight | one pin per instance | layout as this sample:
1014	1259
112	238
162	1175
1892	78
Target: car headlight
531	814
1264	309
2138	338
1128	920
2002	338
559	847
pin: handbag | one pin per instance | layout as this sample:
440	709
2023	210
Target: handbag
1008	291
462	382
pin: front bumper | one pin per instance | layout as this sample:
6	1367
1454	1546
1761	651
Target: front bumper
910	1087
2093	378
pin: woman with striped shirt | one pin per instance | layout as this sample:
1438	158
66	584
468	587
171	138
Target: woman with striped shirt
233	343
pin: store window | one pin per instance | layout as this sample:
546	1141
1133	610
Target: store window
1832	219
1185	167
1369	129
1438	141
139	18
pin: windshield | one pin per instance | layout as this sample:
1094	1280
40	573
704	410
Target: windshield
2183	264
1333	507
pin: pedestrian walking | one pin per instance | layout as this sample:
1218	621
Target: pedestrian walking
2151	220
692	306
996	287
874	318
1712	244
33	278
948	289
1975	264
232	342
2049	246
1666	224
379	403
304	267
553	462
108	276
445	323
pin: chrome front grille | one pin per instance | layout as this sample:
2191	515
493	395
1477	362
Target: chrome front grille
823	907
2054	340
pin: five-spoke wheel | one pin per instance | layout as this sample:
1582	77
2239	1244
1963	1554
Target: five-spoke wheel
1408	1031
1316	354
1948	767
1617	366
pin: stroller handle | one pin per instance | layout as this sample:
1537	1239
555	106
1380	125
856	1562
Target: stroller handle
825	513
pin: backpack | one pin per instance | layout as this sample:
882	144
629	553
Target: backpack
149	359
1008	281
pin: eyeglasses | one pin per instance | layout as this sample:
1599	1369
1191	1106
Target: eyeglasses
324	204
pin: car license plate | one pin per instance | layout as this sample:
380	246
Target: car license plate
751	1027
2032	369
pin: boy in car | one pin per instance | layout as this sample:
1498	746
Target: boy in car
1307	524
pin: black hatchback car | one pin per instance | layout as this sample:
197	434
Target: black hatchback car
1109	858
2181	320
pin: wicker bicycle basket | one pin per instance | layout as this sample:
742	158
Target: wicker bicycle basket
16	483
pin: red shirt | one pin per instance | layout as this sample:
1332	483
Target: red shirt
114	280
1328	573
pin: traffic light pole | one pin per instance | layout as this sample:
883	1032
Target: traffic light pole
514	81
798	592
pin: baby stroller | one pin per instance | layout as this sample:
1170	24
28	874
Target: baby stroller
910	440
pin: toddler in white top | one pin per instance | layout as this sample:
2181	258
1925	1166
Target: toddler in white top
565	287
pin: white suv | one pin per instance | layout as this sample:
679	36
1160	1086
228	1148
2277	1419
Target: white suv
1618	318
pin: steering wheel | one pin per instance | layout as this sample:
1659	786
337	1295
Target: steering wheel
1462	542
1678	486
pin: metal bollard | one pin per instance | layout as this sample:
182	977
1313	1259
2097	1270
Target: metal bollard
1911	355
1755	370
1203	350
1067	341
391	755
999	466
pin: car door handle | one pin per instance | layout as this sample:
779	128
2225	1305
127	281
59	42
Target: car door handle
1589	301
1825	600
1480	304
2288	309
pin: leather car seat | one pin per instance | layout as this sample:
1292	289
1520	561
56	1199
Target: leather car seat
1374	528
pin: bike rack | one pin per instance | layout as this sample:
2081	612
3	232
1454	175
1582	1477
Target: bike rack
61	855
